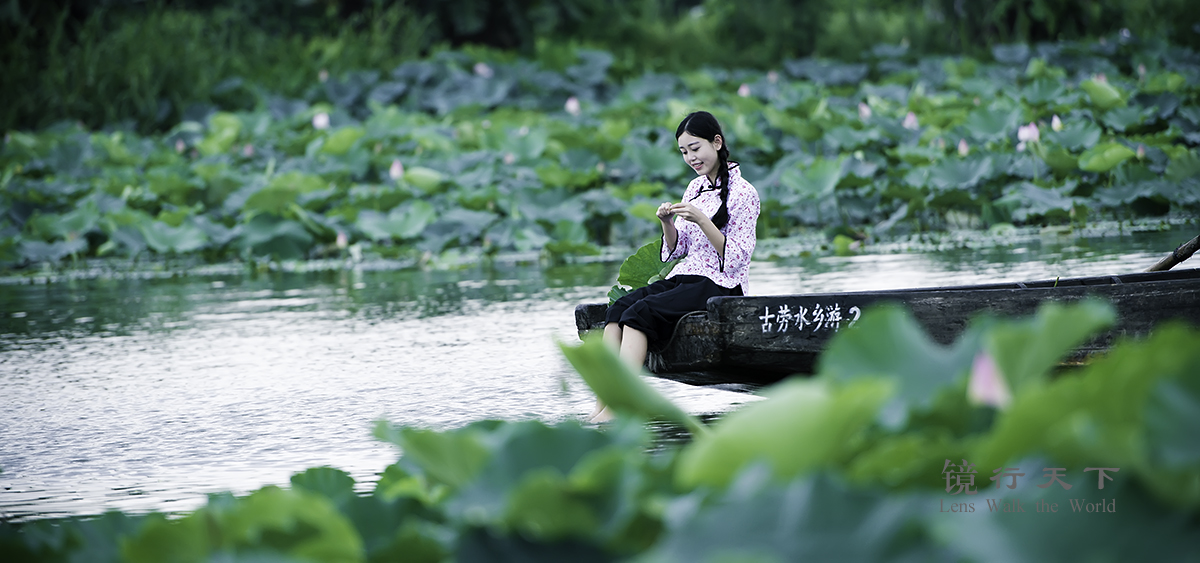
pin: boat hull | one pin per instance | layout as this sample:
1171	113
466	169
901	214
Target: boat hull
761	339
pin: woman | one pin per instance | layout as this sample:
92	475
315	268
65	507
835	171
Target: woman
713	226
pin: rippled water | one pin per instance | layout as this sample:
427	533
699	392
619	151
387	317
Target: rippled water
146	394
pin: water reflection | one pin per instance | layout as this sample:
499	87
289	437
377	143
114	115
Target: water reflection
146	394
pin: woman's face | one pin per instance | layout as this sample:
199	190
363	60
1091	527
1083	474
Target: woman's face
700	154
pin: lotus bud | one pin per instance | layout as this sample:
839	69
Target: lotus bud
910	122
248	150
864	111
342	240
940	143
1056	123
987	385
509	158
1021	146
1028	133
963	148
180	146
1100	78
321	121
323	75
977	100
1141	152
772	77
1142	71
396	171
744	90
572	106
482	69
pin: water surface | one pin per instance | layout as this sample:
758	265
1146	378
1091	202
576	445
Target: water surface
134	394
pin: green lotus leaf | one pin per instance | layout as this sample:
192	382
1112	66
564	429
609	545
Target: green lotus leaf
427	180
340	141
1165	82
1122	118
1077	134
961	173
164	238
403	222
1105	157
283	191
1057	158
993	125
816	181
1102	94
1043	91
223	131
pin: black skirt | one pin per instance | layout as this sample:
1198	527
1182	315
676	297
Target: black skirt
656	308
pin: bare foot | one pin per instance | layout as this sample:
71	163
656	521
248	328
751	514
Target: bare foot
602	416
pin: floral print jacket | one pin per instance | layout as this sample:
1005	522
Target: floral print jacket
701	257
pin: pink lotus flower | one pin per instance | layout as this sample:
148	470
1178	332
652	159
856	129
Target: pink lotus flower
396	171
772	77
248	150
744	90
987	385
509	158
910	122
1141	152
963	148
321	121
1028	133
1100	78
864	111
572	106
482	69
342	240
180	146
1056	123
323	75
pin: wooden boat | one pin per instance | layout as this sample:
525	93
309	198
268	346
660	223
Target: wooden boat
761	339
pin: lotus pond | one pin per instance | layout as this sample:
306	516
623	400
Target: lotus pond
149	389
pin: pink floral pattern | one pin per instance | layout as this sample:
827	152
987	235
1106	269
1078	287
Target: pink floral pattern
701	257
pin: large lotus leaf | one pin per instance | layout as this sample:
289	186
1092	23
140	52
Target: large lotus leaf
1105	157
298	524
1098	416
621	388
655	162
826	72
1186	165
816	181
404	222
164	238
425	179
848	138
282	192
223	131
1122	118
639	267
280	238
531	463
339	142
526	144
817	518
812	421
38	251
1025	351
961	174
1171	415
171	184
1043	91
1029	200
331	483
917	154
1165	82
1077	134
888	342
857	173
71	225
993	125
1103	95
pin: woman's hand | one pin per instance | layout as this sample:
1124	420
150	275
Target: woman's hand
689	212
664	211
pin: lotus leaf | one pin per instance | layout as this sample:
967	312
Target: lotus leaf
1029	200
223	131
993	125
1026	351
1122	118
1187	165
38	251
824	417
1104	157
1079	134
425	179
847	138
961	174
404	222
283	191
164	238
1165	82
280	238
1103	95
339	142
815	182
